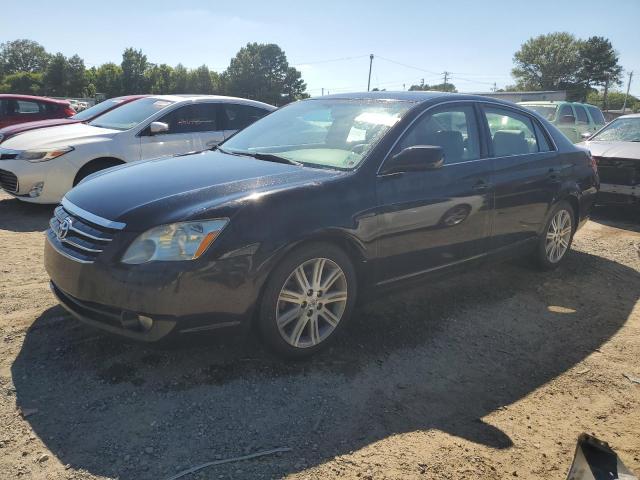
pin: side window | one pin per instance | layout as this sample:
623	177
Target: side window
454	128
25	107
565	115
581	114
200	117
236	117
511	133
3	108
543	139
596	115
49	107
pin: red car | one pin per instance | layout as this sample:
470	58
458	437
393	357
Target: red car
84	116
26	108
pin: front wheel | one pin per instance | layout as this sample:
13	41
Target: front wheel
307	300
557	236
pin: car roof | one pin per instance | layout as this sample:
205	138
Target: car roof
32	97
554	102
630	115
416	97
182	97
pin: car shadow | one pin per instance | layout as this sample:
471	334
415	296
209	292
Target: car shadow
18	216
440	356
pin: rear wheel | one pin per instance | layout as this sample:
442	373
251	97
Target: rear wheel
308	299
556	239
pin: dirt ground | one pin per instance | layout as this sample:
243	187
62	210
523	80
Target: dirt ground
489	374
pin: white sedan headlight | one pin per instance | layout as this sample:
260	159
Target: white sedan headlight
43	155
173	242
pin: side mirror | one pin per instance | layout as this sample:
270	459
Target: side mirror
158	127
415	159
586	135
567	120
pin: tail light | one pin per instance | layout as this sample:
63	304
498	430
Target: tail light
68	111
594	162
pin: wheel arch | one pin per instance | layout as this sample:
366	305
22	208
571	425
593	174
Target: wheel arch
108	161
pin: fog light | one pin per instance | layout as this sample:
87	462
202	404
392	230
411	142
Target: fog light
145	322
36	190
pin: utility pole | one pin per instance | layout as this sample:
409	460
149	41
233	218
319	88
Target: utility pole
606	93
404	86
446	76
624	105
495	87
323	91
370	64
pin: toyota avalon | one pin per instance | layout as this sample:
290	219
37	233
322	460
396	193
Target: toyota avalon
288	222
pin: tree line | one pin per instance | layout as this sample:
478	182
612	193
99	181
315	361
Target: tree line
589	70
258	71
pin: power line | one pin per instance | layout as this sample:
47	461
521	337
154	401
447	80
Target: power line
341	59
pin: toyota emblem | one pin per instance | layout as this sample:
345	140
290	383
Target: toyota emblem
64	228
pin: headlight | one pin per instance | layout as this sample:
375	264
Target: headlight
177	241
42	155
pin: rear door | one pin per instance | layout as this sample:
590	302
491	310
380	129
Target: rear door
179	138
583	125
235	116
527	174
567	122
433	218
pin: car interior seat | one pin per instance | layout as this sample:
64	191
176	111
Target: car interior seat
509	142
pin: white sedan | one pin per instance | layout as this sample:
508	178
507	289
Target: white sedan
40	166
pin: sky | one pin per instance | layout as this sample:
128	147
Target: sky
329	41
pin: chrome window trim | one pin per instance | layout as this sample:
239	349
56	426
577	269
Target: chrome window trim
83	214
486	102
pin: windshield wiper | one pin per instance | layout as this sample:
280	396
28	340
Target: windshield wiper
269	157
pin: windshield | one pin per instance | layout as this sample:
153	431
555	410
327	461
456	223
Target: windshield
620	130
546	111
96	110
326	133
131	114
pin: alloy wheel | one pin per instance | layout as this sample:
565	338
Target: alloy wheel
558	236
311	303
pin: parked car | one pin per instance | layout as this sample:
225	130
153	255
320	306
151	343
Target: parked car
616	150
576	120
16	109
84	116
42	165
317	204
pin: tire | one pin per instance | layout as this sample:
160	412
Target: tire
93	167
288	314
555	242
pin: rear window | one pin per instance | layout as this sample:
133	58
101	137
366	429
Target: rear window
596	114
547	112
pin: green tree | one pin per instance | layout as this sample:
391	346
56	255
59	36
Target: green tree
22	82
547	62
76	78
203	81
22	56
55	77
599	63
615	100
134	64
180	79
160	79
441	87
261	72
108	80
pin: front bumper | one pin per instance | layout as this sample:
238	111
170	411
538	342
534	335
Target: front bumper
57	176
178	296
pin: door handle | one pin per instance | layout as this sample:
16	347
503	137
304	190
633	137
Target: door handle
482	186
553	174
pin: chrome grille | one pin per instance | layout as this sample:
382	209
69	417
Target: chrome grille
76	237
8	181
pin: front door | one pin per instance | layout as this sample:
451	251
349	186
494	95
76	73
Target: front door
434	218
234	117
178	139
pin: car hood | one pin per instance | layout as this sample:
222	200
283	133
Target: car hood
11	130
59	136
630	150
183	185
